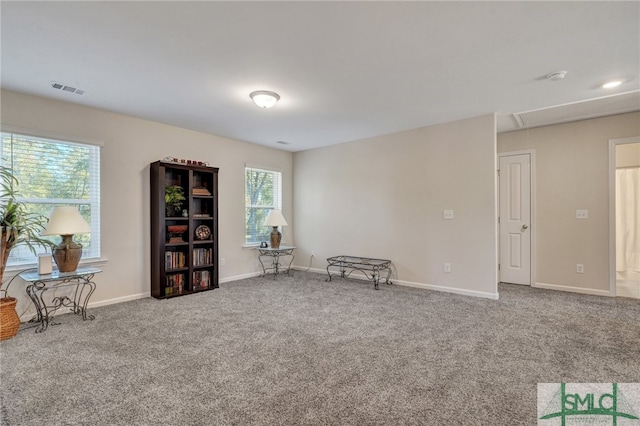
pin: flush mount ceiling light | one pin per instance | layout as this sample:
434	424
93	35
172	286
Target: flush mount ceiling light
264	98
612	84
558	75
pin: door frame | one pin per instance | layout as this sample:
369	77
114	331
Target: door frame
612	208
532	196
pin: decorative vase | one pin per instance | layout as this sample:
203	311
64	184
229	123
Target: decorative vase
175	233
9	320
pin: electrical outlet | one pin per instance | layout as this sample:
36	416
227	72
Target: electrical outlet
582	214
222	261
579	268
447	214
447	267
313	253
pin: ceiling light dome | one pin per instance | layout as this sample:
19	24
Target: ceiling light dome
612	84
264	98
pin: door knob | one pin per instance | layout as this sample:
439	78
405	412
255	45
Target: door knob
524	226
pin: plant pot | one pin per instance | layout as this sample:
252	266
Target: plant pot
9	320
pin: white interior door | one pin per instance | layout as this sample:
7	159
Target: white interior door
515	219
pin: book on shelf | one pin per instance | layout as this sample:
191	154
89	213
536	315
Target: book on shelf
202	256
200	190
174	260
201	280
175	284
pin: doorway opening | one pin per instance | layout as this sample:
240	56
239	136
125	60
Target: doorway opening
624	222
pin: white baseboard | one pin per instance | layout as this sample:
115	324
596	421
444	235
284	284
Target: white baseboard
455	290
118	300
239	277
461	291
307	269
571	289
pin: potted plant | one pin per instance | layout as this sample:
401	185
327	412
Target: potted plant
173	198
19	226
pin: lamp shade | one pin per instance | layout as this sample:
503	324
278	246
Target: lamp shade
65	220
275	218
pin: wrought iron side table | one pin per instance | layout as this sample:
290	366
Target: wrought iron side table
82	279
275	254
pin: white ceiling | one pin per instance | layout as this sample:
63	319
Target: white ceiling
344	70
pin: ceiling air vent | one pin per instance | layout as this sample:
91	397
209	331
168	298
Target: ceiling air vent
66	88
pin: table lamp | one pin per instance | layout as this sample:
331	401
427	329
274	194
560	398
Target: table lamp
275	219
66	221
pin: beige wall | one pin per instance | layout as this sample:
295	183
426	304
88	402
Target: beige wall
384	197
129	145
572	172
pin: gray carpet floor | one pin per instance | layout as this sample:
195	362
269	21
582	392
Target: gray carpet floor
301	351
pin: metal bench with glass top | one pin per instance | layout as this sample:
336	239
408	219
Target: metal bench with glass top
373	269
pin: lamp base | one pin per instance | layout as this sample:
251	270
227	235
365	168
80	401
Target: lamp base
275	237
67	254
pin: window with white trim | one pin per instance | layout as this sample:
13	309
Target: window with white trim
55	173
263	192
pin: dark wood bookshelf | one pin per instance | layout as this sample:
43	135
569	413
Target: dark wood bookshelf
169	278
